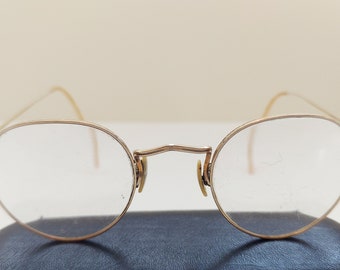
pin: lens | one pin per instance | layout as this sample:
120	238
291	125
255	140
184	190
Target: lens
65	179
277	177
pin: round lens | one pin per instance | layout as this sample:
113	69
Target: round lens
65	179
277	177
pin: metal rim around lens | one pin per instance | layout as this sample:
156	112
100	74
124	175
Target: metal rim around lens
96	127
228	138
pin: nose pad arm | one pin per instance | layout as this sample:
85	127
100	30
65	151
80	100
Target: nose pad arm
200	178
142	166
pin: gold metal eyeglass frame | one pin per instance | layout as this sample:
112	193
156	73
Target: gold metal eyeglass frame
138	159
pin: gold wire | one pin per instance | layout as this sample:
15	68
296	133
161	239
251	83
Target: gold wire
267	112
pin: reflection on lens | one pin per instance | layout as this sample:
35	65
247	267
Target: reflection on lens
64	179
275	177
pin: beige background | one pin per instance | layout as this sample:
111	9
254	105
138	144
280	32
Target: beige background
161	60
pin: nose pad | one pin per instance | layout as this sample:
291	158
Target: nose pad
143	172
200	178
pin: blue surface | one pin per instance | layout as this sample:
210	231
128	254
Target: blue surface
173	240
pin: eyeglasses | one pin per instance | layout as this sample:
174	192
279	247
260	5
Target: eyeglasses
266	173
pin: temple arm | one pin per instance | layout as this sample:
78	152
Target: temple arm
274	99
73	104
266	113
61	90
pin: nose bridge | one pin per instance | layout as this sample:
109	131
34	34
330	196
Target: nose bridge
141	155
173	148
